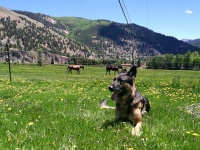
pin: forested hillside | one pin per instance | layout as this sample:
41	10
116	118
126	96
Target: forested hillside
195	42
75	37
110	38
132	37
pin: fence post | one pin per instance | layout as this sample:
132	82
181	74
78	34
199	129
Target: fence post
7	46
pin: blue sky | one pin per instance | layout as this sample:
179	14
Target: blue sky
177	18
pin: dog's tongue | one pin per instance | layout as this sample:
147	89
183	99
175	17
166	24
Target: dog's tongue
114	95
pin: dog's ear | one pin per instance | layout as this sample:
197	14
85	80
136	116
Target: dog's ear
132	72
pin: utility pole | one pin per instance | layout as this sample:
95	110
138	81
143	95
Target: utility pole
7	46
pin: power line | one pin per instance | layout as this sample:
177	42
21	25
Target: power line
126	11
147	13
123	11
127	22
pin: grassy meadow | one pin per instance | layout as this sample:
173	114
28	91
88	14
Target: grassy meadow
45	108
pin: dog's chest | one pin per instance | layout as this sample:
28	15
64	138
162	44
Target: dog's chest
123	110
124	107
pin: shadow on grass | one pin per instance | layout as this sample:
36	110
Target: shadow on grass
114	123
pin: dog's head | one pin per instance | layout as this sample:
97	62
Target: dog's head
122	83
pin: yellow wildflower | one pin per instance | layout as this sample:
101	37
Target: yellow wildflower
74	146
195	134
9	108
30	123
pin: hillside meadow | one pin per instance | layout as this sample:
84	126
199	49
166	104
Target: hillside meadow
44	107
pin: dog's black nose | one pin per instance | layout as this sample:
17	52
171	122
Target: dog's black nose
110	88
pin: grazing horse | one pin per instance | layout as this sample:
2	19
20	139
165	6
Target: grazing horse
114	68
75	67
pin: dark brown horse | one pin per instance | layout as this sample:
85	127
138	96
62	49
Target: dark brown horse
75	67
113	68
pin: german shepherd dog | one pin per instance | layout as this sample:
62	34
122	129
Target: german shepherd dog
130	104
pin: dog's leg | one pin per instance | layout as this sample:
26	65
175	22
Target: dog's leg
137	129
137	121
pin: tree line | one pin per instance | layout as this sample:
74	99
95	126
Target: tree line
189	60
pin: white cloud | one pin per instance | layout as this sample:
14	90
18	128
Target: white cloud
188	11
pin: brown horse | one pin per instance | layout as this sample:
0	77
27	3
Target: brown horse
113	68
75	67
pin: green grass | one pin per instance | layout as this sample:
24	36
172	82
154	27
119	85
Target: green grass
44	107
80	23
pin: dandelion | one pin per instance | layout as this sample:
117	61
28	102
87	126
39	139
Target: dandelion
30	123
188	132
1	101
9	108
74	146
195	134
130	148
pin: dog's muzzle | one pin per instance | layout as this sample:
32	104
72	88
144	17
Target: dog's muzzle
115	91
114	88
111	88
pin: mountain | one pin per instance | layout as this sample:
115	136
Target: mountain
122	38
28	34
195	42
79	37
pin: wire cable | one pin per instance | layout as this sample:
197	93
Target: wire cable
126	11
147	13
123	11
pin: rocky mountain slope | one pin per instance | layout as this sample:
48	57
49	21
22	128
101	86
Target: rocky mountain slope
77	37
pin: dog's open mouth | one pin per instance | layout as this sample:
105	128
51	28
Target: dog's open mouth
114	95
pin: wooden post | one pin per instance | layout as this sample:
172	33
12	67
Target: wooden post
7	46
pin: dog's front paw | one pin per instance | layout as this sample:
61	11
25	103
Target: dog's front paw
136	132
